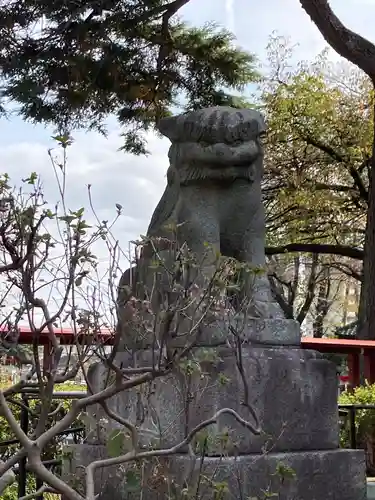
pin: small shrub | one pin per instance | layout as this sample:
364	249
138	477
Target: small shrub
53	450
365	422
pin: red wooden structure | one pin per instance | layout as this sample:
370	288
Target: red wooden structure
66	336
354	349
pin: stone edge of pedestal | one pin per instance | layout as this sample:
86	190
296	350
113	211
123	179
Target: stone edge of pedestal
267	332
331	474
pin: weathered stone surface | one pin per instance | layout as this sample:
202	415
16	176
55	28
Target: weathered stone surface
319	475
293	391
221	124
306	475
262	331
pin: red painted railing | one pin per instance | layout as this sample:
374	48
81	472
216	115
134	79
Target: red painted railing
353	348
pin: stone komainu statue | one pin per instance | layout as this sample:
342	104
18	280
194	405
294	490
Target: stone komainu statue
213	195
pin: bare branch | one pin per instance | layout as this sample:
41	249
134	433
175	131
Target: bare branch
348	44
13	424
310	292
36	465
133	456
344	251
6	478
39	492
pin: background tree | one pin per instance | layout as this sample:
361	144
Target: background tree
317	158
360	52
311	290
72	64
289	284
316	164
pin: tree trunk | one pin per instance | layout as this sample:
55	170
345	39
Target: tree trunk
345	308
360	52
318	326
322	304
366	313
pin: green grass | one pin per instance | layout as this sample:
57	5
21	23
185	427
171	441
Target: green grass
66	387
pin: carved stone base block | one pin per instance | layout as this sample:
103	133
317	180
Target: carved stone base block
293	391
305	475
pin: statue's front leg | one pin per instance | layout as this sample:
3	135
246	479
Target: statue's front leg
198	228
254	291
255	295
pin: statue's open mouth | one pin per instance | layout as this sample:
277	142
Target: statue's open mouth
216	155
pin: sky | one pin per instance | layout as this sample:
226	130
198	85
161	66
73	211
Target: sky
138	182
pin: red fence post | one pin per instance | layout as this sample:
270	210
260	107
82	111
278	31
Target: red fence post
354	370
369	365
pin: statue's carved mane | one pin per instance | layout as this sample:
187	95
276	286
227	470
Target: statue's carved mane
193	174
201	163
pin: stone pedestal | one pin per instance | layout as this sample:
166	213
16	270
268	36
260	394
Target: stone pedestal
294	393
305	475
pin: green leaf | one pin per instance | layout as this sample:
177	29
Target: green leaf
78	281
115	443
284	471
79	212
64	140
48	213
133	483
31	179
223	379
67	218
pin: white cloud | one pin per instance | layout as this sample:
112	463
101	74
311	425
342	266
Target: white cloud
134	182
